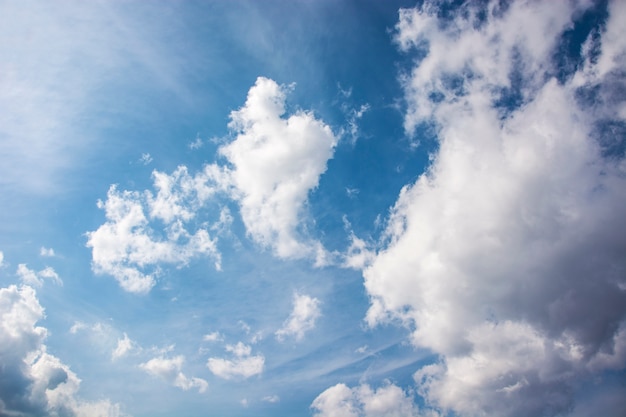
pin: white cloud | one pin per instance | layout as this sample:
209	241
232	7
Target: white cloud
243	364
124	345
32	381
35	279
302	318
169	369
272	399
196	143
128	247
506	257
145	159
363	401
47	252
213	337
275	163
1	258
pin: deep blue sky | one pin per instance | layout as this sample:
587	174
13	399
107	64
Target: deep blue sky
312	208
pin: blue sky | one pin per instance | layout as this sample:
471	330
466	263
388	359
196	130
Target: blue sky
312	208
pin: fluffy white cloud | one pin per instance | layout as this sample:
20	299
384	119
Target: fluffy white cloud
363	401
275	163
243	364
213	337
124	345
48	252
30	277
507	257
129	247
169	369
32	381
305	312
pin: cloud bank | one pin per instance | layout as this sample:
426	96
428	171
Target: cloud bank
507	258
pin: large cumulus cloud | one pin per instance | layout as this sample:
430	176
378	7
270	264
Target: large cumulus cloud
507	258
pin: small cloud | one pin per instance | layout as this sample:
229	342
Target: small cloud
213	337
244	326
196	143
77	326
244	402
352	192
1	258
145	158
35	279
169	369
49	273
124	345
302	318
243	364
362	349
271	399
47	252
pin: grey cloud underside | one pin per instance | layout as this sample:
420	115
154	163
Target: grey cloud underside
507	257
34	383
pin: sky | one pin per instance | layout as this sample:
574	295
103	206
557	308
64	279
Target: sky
312	208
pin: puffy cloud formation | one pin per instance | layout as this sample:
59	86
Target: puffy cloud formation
273	164
243	364
363	401
35	279
302	318
124	345
507	257
128	246
32	381
169	369
276	162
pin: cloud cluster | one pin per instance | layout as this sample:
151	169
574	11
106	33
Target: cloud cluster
363	401
35	279
305	312
128	245
32	381
243	363
507	257
169	369
275	163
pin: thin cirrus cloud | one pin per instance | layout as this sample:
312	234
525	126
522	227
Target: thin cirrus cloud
34	381
503	258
